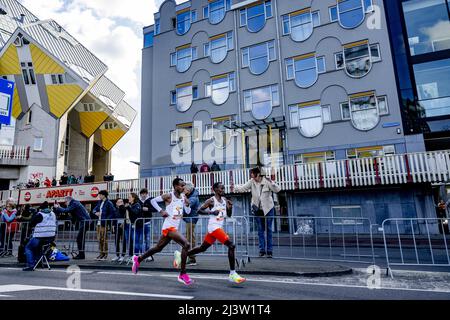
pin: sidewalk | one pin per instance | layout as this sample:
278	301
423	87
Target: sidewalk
208	264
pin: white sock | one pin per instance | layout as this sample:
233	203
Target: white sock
232	272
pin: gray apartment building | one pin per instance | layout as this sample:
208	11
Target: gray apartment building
278	82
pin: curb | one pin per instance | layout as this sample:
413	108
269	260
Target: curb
344	271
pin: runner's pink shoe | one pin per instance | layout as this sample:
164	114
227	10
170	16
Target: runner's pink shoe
185	279
136	264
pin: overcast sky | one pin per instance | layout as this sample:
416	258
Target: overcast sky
112	30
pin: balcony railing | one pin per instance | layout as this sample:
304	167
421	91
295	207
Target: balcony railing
427	167
401	169
14	154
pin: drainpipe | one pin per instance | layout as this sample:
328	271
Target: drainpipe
280	63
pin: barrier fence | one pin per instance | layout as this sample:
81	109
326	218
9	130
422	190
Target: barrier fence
410	242
416	242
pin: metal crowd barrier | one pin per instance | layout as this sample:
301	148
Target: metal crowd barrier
416	242
312	238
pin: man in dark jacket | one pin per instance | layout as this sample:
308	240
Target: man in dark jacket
215	167
104	211
64	179
119	231
191	219
79	214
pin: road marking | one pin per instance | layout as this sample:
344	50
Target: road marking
54	270
19	287
283	281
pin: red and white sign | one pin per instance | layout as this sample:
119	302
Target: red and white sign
80	192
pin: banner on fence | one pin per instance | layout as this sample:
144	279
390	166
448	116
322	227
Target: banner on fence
82	192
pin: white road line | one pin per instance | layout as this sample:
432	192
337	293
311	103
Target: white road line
18	288
52	270
283	281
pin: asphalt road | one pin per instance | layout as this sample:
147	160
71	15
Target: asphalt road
120	285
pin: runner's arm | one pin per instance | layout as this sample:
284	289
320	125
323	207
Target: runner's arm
206	205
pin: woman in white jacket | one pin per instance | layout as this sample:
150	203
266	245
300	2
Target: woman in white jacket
263	207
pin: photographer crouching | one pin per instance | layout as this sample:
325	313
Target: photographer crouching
44	224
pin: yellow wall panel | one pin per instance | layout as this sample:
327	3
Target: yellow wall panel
111	137
16	107
91	121
61	97
42	63
9	62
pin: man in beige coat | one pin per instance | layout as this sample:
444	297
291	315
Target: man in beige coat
263	207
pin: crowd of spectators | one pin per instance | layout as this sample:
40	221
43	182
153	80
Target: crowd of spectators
65	180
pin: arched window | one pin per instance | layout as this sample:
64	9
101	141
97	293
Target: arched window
220	87
364	111
254	16
218	46
216	10
358	58
351	13
183	96
305	69
258	57
260	101
308	118
185	18
182	58
300	24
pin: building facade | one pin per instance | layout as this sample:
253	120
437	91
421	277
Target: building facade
278	82
67	115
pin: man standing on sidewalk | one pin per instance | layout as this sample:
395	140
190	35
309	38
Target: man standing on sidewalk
147	214
104	211
191	219
263	207
79	214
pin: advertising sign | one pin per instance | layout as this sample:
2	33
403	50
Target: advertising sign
81	192
6	97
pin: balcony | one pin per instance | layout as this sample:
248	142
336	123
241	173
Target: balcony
400	169
14	155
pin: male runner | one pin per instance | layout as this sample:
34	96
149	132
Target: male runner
218	206
175	202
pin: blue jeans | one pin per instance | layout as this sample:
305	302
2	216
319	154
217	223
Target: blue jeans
265	224
33	248
129	238
138	240
148	236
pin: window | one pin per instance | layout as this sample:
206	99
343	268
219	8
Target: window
333	14
300	24
346	215
110	125
258	57
183	96
220	133
357	58
383	105
182	137
326	114
305	69
157	26
433	88
370	152
254	16
89	107
183	57
216	10
220	87
260	101
38	144
345	111
29	117
28	73
308	118
184	20
148	39
428	25
57	79
218	46
316	157
351	13
364	111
